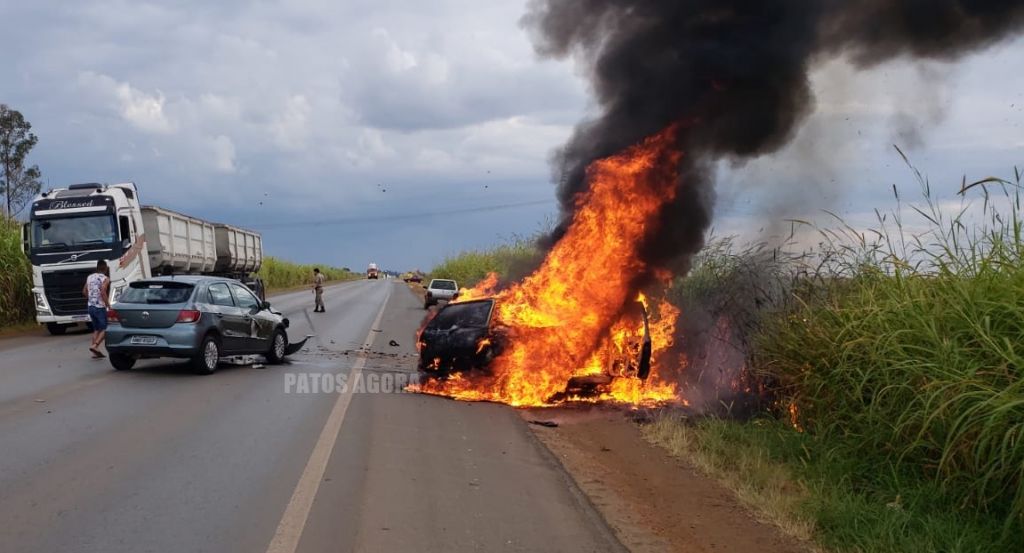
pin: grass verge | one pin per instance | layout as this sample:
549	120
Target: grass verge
795	481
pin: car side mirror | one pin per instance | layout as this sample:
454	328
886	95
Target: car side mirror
265	305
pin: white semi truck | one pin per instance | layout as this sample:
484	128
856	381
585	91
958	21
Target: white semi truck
71	228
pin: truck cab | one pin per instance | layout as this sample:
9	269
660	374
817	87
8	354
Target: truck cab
69	230
372	271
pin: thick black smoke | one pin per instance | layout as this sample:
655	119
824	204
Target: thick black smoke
733	74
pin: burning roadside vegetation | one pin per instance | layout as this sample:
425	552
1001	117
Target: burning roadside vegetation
681	86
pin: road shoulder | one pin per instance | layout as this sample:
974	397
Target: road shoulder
652	501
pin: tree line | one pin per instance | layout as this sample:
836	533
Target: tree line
19	181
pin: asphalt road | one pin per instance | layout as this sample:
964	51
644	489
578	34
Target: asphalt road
251	460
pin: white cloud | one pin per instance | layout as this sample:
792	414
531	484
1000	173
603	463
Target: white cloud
143	111
291	127
223	151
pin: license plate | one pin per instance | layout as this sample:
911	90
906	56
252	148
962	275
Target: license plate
80	318
144	340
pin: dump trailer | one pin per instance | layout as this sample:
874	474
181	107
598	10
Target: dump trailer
71	228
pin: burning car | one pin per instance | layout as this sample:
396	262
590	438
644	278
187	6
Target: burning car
464	338
460	337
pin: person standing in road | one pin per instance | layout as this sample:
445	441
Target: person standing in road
97	292
318	290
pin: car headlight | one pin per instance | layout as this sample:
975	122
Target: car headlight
41	304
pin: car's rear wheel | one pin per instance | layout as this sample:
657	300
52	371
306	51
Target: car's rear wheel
278	344
122	362
56	329
205	362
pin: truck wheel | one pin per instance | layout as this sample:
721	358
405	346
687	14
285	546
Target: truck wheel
56	329
122	362
279	342
205	361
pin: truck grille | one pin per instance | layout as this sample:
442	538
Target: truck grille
64	291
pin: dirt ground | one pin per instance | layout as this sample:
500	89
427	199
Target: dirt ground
652	501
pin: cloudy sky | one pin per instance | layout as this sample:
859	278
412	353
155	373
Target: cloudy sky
400	131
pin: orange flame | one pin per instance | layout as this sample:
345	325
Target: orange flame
794	417
571	317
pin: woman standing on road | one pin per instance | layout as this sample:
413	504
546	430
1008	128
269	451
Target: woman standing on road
97	290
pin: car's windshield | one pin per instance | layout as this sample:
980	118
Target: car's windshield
69	232
156	292
464	315
443	284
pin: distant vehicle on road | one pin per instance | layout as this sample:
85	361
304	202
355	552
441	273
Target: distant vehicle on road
412	277
71	228
372	271
194	317
440	289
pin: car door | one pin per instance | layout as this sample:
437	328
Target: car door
257	336
231	323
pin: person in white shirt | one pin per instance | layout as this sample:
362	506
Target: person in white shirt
97	291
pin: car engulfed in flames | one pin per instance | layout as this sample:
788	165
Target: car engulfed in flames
461	341
572	328
460	337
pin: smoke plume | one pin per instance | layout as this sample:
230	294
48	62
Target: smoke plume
733	75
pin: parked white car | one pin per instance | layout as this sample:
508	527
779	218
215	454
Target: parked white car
440	289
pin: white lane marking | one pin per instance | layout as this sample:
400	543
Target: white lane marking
293	521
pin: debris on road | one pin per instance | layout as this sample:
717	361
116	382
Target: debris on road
549	424
393	343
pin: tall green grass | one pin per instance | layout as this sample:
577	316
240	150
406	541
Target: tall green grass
899	348
910	347
278	274
509	260
797	482
15	276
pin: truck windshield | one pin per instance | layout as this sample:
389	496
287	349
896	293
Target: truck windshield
74	232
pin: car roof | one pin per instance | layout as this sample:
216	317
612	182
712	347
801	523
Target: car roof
441	280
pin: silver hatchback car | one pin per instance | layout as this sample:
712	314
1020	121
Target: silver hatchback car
198	318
